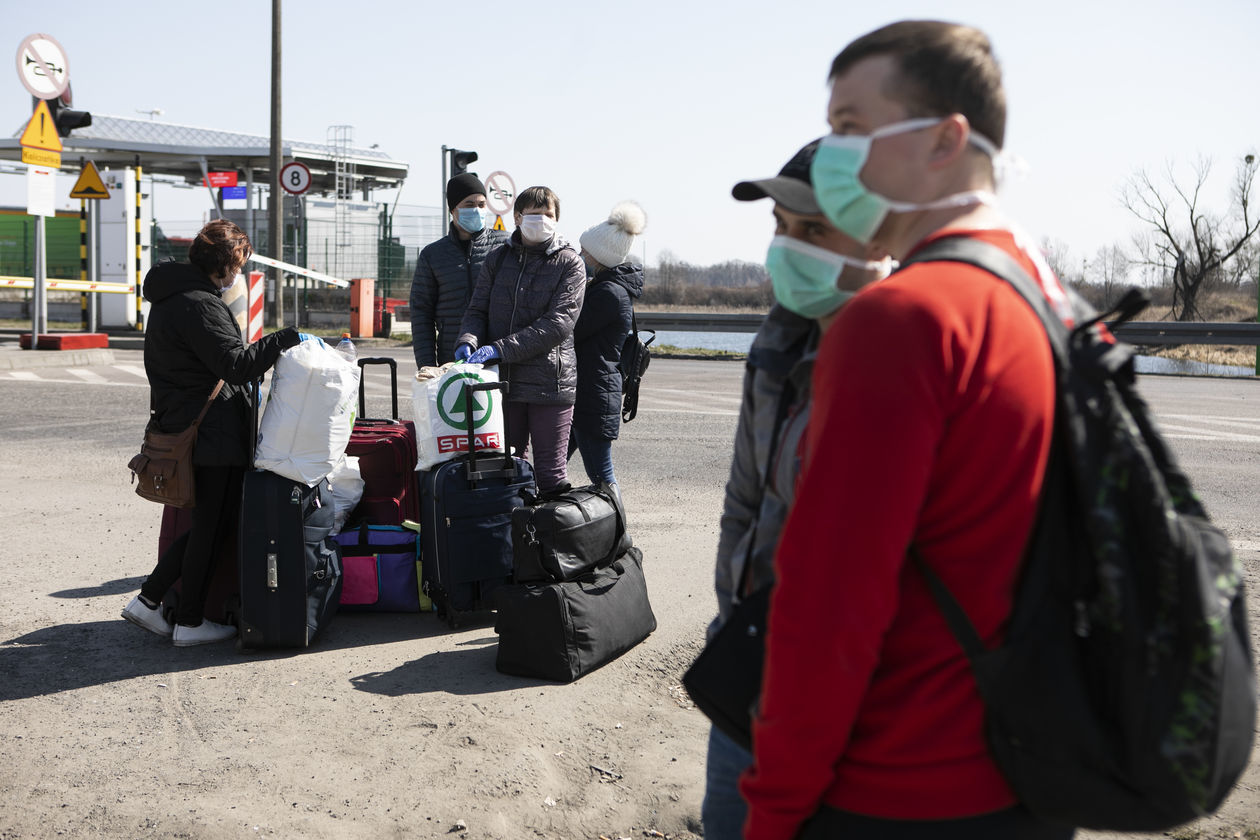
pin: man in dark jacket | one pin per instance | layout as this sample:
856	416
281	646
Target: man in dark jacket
191	342
448	269
600	334
522	312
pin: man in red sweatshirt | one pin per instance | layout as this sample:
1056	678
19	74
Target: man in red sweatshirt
934	402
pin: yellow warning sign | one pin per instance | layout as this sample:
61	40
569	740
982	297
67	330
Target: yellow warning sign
498	223
41	131
89	184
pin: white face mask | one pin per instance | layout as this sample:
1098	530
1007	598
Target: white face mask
537	228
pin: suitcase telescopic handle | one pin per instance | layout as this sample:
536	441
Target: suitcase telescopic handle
393	382
471	388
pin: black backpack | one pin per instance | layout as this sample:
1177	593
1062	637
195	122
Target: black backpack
634	361
1123	696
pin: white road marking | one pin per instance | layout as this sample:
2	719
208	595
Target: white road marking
690	411
135	370
1192	433
29	376
87	375
1242	422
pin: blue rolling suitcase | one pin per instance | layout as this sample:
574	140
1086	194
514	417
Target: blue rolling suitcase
466	523
290	565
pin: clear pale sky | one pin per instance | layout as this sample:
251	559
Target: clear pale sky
669	103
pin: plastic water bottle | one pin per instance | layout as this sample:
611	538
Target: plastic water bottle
346	348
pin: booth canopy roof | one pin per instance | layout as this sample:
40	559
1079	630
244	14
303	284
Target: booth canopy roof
179	150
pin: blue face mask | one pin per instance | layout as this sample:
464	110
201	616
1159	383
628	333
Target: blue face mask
804	276
846	202
471	219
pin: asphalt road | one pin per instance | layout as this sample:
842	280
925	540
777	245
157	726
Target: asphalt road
79	542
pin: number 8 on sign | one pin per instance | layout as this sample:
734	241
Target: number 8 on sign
295	178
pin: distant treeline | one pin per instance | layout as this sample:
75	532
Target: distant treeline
734	283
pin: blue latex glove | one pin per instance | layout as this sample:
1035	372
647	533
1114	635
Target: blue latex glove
462	352
483	355
308	337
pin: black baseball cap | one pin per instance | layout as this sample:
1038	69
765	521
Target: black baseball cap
792	187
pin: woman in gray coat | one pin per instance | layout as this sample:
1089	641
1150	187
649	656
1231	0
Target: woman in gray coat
522	313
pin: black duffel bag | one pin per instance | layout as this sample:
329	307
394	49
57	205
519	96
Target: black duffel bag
561	536
560	631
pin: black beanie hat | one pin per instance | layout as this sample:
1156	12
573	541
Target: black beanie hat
462	186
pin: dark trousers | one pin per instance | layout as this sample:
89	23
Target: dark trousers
1011	824
190	559
546	427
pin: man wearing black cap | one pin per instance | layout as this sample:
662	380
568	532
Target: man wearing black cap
447	271
814	269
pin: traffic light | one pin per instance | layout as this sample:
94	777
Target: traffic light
65	119
460	160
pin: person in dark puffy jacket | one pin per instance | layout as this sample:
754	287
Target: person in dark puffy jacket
522	313
191	342
447	271
600	333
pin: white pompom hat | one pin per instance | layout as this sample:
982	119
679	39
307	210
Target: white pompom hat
609	242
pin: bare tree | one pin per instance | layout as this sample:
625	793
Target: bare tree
1186	239
1062	262
1110	272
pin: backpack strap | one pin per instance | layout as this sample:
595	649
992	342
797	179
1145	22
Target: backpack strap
991	258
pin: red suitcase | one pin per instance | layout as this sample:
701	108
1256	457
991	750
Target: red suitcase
386	450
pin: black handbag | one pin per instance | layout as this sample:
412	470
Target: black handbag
725	680
561	536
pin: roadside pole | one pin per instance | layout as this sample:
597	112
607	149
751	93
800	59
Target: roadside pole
39	320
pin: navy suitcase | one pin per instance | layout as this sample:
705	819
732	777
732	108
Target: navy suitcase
466	523
290	565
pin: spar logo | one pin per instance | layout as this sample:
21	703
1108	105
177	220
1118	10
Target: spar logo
452	407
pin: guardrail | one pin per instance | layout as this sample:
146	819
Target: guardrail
1134	332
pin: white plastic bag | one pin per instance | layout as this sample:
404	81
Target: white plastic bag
346	484
309	415
441	417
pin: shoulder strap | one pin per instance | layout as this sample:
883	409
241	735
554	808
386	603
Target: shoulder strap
991	258
206	407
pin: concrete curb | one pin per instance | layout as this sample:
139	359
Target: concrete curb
13	359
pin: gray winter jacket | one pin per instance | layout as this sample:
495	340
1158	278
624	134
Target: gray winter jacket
776	397
526	302
440	290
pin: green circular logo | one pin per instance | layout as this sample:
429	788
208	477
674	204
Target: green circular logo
453	409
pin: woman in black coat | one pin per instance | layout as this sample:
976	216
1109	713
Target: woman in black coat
600	334
191	342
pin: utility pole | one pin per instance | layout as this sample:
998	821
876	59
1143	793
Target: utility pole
275	213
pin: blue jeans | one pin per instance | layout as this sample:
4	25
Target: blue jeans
596	455
723	810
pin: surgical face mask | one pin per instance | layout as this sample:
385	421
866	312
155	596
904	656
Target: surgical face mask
537	228
845	200
471	219
804	276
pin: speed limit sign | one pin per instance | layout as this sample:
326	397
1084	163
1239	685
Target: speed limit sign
295	178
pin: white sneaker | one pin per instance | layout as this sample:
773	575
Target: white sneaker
205	633
150	618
